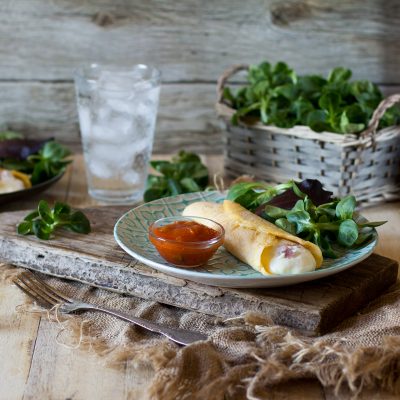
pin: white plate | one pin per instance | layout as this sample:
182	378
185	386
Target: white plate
131	233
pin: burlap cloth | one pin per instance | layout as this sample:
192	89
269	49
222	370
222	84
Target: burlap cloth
244	356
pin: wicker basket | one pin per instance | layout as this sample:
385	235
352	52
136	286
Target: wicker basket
367	166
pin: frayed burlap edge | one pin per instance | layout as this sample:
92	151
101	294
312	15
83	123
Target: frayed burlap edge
281	357
278	356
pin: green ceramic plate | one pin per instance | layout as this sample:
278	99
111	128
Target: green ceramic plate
131	233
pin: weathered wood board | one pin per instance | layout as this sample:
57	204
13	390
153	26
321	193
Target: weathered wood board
42	42
96	259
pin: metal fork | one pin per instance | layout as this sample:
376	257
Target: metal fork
48	297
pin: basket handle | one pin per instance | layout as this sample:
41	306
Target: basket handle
225	76
383	106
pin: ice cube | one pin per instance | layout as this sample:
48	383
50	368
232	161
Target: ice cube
124	94
118	156
133	177
102	133
121	86
144	128
100	169
144	120
124	158
104	152
142	146
143	109
115	130
151	98
84	120
141	159
122	106
122	125
103	113
141	87
117	81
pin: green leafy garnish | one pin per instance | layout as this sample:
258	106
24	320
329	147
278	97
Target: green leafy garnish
251	194
48	162
45	220
275	95
41	159
308	211
184	174
325	225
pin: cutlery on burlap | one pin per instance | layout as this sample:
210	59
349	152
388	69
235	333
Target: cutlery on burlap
49	298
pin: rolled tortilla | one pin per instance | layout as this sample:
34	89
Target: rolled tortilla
257	242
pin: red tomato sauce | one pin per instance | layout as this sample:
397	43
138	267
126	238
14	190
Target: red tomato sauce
186	231
182	242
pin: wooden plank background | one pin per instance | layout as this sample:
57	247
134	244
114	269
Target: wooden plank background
42	41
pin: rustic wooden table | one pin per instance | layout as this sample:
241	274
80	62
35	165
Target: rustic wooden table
34	366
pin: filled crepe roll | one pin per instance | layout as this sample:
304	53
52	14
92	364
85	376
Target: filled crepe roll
257	242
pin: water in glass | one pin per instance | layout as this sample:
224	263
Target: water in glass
117	115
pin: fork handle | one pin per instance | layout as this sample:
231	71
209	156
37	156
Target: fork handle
180	336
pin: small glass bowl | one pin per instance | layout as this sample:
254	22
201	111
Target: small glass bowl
182	253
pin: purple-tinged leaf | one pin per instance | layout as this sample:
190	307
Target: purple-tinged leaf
287	200
20	149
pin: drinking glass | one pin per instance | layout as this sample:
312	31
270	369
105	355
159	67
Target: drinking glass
117	110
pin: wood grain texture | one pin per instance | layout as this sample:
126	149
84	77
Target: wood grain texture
43	41
76	374
313	307
35	366
17	332
194	40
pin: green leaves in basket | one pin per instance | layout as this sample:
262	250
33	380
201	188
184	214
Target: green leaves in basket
308	211
45	220
185	173
276	95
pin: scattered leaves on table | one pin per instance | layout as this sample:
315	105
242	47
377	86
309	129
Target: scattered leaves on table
45	220
185	173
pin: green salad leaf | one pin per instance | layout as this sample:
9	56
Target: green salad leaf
45	220
251	194
185	173
41	159
308	211
48	162
276	95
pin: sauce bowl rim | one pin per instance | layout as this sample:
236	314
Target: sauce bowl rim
197	244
